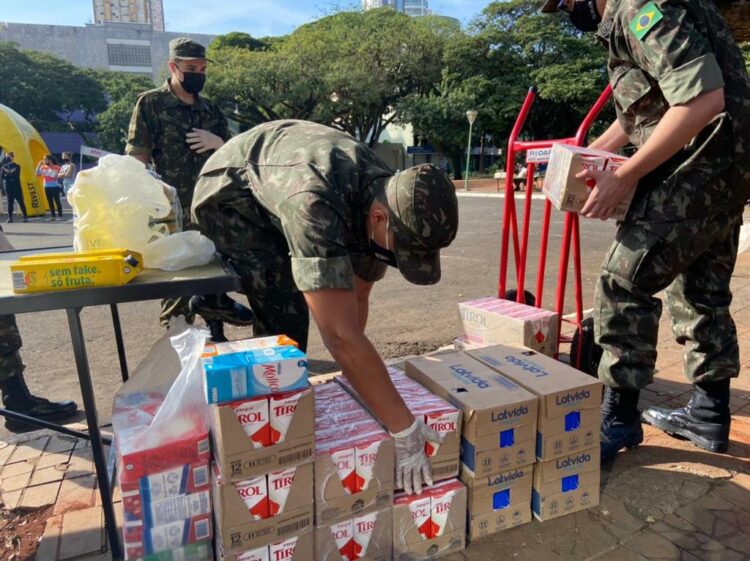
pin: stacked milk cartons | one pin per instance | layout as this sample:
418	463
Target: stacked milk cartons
497	437
566	476
353	480
489	321
261	417
438	414
164	479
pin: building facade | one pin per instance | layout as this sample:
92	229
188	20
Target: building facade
149	12
416	8
123	47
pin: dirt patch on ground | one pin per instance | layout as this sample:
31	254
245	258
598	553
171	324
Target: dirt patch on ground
20	532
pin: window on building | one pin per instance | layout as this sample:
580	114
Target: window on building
129	55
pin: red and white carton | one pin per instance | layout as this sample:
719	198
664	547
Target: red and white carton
441	501
443	423
279	484
260	554
140	541
282	408
255	494
345	461
343	535
254	417
284	550
366	456
420	507
363	527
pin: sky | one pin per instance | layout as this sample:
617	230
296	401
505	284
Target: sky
259	18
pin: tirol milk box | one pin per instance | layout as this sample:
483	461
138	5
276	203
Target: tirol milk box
240	375
569	400
488	321
569	193
499	415
139	541
432	524
354	457
441	416
497	502
263	509
567	484
256	435
298	547
366	536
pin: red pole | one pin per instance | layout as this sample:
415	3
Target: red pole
509	198
543	253
578	284
521	274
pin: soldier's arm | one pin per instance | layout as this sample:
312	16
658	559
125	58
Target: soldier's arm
362	289
141	134
338	317
612	140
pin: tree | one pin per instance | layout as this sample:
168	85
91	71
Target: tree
746	53
240	40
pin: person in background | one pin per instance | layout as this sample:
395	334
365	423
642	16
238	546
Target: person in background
48	171
11	174
67	174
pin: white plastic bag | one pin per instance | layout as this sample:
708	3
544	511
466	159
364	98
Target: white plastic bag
178	251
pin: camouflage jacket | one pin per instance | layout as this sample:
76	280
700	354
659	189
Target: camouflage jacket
667	52
157	129
304	190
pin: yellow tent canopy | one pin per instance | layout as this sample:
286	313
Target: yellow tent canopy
18	136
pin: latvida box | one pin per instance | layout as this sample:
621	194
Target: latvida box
567	484
569	400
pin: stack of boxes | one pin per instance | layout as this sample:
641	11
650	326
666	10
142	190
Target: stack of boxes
261	416
354	469
489	321
497	437
566	477
164	480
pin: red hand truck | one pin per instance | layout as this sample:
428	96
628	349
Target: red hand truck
583	354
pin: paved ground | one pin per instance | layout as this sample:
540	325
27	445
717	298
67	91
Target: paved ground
664	501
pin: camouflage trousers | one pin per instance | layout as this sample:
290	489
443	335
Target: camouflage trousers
692	261
10	343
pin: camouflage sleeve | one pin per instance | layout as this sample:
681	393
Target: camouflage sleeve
666	44
222	129
317	235
140	131
367	267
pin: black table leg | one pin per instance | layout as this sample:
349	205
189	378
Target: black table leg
120	342
97	447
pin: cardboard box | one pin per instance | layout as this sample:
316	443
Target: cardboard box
488	321
238	530
233	376
499	416
497	502
354	461
564	190
166	511
294	548
243	345
237	456
169	484
569	400
367	536
566	485
430	525
139	541
435	412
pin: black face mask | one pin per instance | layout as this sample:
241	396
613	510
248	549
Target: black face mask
384	254
193	82
585	17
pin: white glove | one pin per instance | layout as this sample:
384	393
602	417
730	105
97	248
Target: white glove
412	465
201	141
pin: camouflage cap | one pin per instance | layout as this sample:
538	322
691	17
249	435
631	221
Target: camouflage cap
424	218
186	48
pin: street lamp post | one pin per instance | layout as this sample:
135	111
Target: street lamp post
471	115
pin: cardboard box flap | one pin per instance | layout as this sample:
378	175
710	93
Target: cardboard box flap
560	387
489	400
585	461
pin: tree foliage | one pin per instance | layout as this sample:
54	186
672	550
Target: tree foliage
746	53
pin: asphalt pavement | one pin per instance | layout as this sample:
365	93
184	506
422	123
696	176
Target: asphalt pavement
404	319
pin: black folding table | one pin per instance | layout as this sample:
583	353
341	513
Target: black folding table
216	277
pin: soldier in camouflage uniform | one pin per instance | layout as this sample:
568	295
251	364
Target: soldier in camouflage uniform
682	96
311	218
16	396
177	130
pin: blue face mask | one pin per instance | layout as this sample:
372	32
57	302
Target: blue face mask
384	254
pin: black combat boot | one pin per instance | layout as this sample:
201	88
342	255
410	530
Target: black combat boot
216	327
621	422
221	307
704	420
18	398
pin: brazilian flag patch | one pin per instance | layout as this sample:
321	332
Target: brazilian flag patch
645	21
